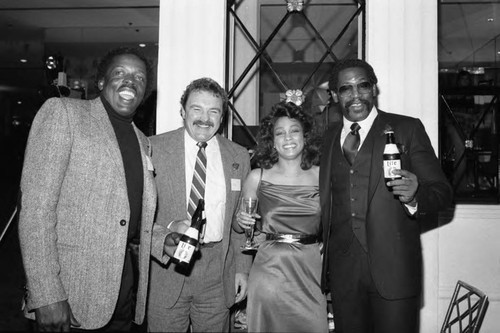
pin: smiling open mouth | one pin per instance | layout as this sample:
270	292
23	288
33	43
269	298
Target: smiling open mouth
356	104
127	94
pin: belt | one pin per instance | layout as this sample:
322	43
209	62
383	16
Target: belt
293	238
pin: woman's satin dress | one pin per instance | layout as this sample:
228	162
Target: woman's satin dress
284	293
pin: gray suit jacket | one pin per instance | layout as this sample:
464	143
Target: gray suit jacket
169	161
75	212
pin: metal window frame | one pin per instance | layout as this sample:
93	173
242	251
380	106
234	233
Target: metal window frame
232	18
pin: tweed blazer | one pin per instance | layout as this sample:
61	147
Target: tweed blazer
75	212
393	236
168	157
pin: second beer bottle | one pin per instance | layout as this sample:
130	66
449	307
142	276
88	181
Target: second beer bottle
189	241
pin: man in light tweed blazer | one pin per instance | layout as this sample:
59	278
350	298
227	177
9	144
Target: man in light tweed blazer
87	192
218	277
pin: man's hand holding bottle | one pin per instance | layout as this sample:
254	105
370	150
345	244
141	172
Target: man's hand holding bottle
178	228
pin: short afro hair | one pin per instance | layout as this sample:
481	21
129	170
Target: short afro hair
106	61
350	63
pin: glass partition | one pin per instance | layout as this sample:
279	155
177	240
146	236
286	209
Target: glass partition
469	98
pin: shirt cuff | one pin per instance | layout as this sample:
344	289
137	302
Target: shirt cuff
412	210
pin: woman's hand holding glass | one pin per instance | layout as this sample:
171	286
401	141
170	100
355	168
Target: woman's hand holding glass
246	220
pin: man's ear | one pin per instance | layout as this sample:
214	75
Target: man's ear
183	113
334	96
374	90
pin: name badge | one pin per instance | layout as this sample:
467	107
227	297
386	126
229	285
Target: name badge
235	184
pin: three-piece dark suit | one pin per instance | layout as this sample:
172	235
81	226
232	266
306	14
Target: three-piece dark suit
361	216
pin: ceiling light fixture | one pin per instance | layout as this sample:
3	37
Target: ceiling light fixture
142	45
491	19
51	62
23	60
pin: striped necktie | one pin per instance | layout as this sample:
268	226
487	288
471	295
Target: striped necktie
199	177
351	143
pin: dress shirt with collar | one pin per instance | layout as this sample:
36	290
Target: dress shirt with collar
215	188
365	124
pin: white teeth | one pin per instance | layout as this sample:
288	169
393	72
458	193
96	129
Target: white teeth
289	146
127	94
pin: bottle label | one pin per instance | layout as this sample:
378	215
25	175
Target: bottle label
184	252
390	166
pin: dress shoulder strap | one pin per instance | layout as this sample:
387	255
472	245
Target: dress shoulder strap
260	179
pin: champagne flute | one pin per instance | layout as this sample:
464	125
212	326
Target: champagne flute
249	206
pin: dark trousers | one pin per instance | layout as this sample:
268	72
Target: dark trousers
357	305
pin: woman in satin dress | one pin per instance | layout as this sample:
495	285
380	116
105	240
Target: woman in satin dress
284	293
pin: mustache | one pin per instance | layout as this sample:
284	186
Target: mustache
204	123
128	85
359	100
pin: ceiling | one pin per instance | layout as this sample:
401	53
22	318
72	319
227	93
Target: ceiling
469	33
82	31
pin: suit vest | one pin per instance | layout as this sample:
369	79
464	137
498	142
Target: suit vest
350	195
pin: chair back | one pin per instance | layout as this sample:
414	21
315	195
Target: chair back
466	310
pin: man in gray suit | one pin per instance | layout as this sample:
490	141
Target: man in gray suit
218	278
88	191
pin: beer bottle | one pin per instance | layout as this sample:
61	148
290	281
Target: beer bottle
392	157
189	241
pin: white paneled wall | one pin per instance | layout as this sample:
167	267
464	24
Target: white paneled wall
191	45
469	250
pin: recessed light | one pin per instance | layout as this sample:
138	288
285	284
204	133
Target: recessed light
19	102
142	45
491	19
23	61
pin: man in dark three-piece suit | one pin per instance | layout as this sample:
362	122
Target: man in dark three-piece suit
88	195
202	296
371	229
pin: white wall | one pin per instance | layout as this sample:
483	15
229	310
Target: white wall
191	46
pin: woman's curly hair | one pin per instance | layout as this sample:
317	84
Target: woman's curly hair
266	154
